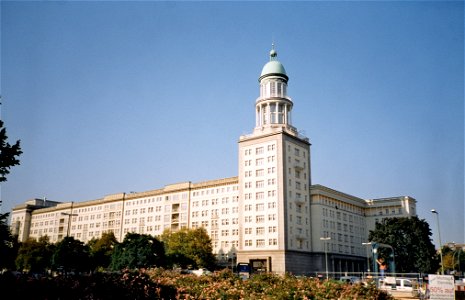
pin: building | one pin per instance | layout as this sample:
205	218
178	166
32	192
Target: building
270	215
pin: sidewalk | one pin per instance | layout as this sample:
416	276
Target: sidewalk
402	295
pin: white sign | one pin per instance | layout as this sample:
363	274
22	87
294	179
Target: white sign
441	287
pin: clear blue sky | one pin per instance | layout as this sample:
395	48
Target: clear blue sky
111	97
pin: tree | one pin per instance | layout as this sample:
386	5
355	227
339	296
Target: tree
189	247
411	239
35	256
138	251
8	244
71	255
8	158
8	153
453	258
101	250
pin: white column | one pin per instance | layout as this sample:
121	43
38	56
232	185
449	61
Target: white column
268	112
285	114
257	116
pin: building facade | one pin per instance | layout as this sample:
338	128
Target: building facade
270	216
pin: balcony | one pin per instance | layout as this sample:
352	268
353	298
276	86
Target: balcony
298	166
299	200
300	236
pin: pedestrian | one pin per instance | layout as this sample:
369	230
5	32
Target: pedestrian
382	266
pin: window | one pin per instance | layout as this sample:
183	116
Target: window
260	218
259	162
259	150
260	243
260	207
260	231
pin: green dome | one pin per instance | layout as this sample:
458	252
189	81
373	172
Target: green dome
273	67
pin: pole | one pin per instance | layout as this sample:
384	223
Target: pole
368	255
70	214
439	237
325	245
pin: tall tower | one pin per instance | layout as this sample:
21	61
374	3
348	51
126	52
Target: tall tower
274	182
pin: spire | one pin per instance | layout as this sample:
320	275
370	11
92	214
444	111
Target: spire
273	107
273	53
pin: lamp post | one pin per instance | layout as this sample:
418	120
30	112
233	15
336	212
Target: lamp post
325	245
439	237
233	256
368	257
69	221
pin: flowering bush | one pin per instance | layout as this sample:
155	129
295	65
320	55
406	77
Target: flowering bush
226	285
170	285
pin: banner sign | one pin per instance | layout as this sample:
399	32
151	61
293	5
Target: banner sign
441	287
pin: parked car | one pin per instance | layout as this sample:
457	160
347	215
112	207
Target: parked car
201	271
398	284
350	279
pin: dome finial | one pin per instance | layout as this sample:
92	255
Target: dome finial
273	52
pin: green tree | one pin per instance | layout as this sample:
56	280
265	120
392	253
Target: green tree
189	247
101	250
8	158
35	256
411	239
8	153
71	255
8	244
138	251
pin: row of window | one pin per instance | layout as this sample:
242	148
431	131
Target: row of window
215	201
336	204
273	89
260	149
331	213
260	243
213	191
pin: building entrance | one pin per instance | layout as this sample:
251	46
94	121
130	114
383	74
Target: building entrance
258	266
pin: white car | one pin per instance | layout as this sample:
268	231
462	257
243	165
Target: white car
201	272
397	284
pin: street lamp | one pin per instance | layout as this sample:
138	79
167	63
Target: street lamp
439	237
69	221
368	258
233	256
325	243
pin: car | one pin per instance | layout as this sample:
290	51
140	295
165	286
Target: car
350	279
398	284
201	272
